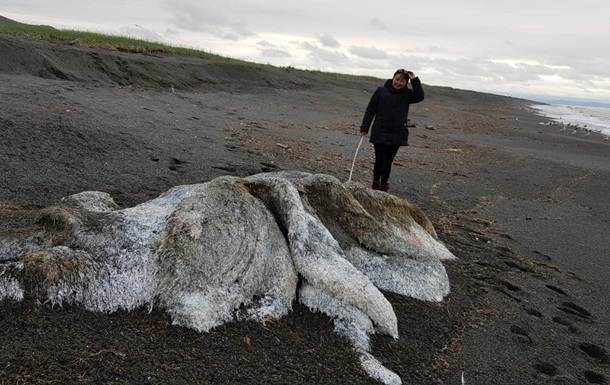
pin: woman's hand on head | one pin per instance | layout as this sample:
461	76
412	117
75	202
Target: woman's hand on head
411	74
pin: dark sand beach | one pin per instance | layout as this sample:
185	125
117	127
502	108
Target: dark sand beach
523	206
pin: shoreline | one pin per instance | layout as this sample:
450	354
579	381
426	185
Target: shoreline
577	120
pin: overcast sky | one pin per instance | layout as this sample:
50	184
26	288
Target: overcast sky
521	47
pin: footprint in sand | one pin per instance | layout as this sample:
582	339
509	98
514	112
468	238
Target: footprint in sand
502	285
534	312
521	335
233	147
595	378
573	309
569	308
546	368
562	321
268	167
519	266
557	289
596	352
176	164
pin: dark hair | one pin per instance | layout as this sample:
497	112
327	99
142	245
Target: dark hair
403	72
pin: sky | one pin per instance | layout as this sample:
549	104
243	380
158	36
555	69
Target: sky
523	48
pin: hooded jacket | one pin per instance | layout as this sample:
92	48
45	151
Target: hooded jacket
390	109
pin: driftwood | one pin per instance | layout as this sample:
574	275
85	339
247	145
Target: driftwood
233	249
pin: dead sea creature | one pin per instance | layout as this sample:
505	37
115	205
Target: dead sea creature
233	249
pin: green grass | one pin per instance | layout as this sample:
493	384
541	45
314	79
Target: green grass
98	40
126	44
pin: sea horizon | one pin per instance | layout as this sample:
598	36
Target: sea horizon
578	119
568	102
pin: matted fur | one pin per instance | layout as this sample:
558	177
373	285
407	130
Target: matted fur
235	248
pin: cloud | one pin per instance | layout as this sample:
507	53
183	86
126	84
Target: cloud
368	52
318	55
328	41
376	23
549	46
588	67
270	50
236	32
436	49
275	53
265	44
195	17
138	32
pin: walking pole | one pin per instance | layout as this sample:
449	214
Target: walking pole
354	161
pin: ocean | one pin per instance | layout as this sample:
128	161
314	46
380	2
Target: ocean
572	117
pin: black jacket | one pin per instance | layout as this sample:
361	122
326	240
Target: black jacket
390	108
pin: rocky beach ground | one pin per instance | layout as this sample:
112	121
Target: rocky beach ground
522	205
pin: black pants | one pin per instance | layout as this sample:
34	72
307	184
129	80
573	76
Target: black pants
384	156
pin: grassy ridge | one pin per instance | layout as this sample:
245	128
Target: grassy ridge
126	44
98	40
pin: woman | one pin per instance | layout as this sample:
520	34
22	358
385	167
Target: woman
389	106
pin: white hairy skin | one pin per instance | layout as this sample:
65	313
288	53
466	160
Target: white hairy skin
234	249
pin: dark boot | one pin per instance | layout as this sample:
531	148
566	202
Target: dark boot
385	187
376	186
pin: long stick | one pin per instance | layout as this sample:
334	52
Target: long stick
354	161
